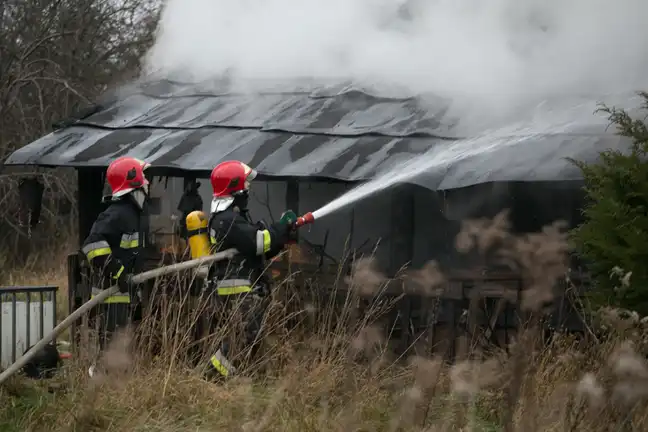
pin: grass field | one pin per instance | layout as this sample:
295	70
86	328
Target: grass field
338	377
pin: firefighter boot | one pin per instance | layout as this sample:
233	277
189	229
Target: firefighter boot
220	364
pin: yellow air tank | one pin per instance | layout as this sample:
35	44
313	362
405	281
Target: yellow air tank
197	234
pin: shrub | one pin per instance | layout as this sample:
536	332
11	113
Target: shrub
614	238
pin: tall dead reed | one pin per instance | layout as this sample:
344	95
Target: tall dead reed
326	362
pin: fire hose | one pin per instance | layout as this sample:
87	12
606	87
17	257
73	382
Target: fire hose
289	216
140	278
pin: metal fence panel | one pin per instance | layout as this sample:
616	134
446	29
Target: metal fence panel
28	313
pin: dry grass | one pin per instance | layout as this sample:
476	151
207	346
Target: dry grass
333	372
44	268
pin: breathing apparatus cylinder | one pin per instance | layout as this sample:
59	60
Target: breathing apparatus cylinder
197	234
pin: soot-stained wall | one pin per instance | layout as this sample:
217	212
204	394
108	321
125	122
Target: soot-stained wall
359	227
438	216
372	225
531	205
168	191
540	203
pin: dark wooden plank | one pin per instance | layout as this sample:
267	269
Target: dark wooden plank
90	184
401	249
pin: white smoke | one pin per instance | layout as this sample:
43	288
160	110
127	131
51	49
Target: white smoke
494	53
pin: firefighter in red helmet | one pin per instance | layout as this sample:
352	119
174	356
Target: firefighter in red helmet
243	277
114	242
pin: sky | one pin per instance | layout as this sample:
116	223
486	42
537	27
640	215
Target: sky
492	54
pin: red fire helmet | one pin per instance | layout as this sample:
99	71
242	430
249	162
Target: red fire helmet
230	177
125	174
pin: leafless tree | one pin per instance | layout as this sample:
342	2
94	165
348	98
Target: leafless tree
56	57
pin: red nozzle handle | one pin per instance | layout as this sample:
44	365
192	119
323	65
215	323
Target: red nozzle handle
308	218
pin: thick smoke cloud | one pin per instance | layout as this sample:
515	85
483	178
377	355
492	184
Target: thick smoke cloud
496	54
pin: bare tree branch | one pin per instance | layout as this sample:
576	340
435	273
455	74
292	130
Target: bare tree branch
57	56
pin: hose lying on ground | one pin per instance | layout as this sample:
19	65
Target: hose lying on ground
142	277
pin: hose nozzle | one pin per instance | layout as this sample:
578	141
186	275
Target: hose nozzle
306	219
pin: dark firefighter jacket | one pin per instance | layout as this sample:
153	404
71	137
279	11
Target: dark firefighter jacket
116	239
256	244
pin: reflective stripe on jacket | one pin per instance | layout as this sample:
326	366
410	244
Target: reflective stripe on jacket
255	244
227	287
115	241
115	299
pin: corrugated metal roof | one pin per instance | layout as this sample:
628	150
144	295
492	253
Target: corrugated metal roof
339	132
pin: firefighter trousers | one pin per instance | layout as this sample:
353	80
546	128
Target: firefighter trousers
238	319
115	314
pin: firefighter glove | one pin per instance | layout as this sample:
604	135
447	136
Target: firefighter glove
288	218
283	231
125	282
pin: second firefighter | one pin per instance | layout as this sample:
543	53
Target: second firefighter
242	278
